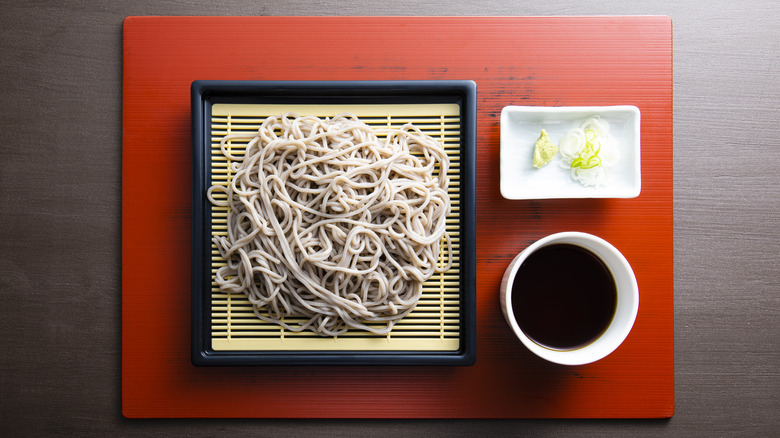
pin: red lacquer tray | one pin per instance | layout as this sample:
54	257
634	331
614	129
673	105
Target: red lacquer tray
514	61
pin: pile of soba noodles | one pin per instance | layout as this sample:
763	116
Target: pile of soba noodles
331	224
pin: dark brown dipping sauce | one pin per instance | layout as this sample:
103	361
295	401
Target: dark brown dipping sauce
563	297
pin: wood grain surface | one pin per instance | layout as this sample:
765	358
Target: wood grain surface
60	220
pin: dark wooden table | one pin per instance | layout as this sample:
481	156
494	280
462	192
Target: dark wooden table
60	220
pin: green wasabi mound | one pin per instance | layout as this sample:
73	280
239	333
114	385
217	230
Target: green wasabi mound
544	150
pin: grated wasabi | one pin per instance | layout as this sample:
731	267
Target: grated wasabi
544	150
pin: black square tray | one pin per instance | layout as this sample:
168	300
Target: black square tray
205	94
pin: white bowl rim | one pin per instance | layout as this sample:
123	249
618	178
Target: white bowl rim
628	297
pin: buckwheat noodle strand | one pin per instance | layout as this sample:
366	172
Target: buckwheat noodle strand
331	224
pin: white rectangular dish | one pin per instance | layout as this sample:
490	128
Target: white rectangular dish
521	127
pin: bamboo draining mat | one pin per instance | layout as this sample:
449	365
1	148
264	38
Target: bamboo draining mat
434	325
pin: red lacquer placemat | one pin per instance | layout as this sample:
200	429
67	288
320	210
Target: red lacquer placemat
514	61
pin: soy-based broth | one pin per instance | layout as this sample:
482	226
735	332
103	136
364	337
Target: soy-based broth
563	297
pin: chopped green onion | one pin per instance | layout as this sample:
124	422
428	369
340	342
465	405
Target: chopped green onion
588	157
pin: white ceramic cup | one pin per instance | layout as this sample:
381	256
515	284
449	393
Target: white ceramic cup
625	312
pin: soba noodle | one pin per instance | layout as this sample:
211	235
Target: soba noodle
332	226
